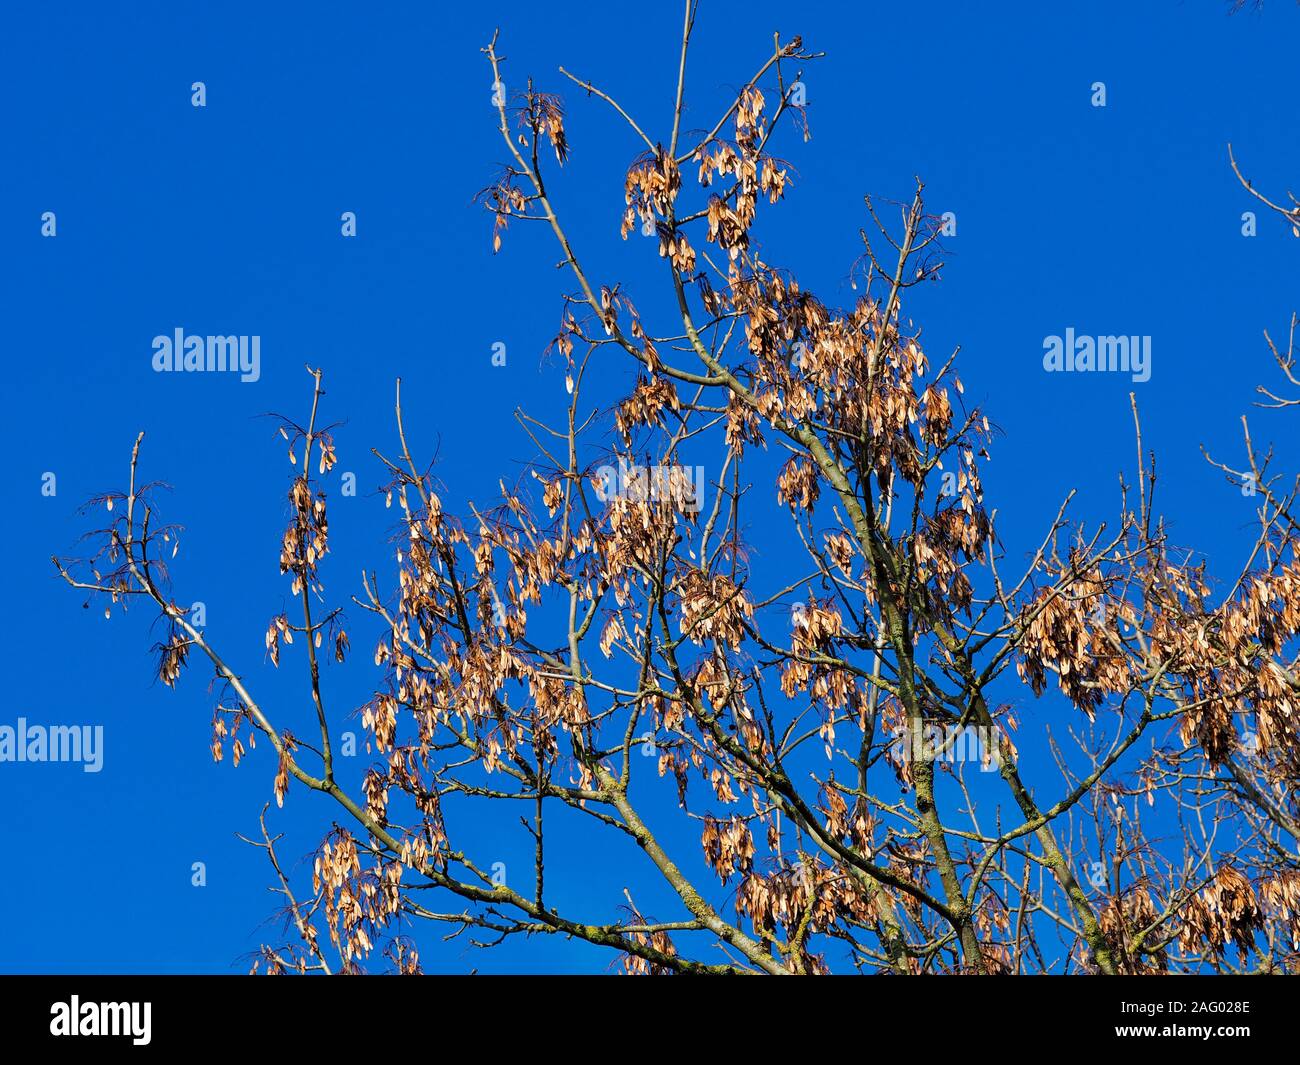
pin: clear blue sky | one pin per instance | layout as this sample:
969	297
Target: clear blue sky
225	219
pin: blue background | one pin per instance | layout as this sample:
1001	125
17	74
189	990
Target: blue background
1123	219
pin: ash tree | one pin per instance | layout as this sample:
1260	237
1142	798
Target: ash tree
780	739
